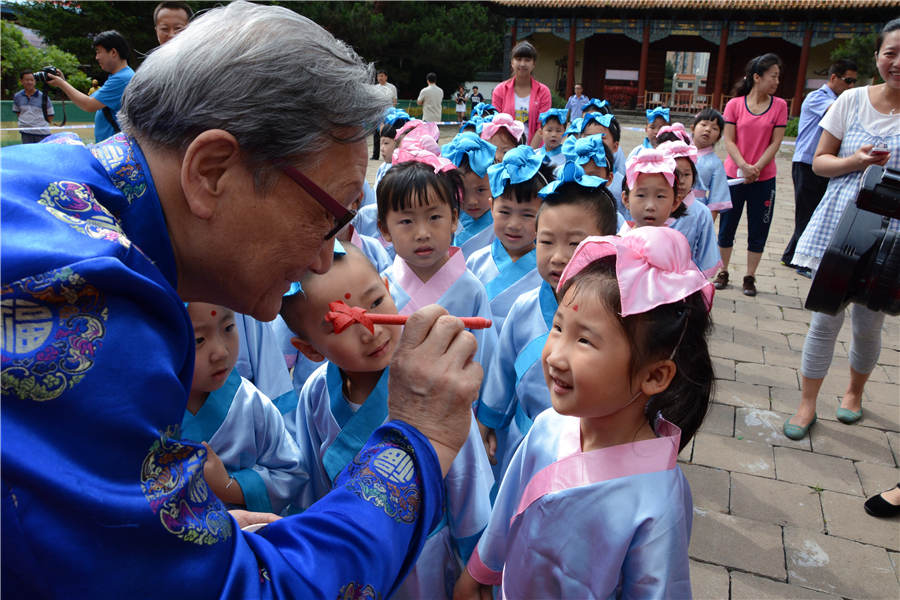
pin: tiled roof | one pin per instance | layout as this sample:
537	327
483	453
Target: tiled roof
707	4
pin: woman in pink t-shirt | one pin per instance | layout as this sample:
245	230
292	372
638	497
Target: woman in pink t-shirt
754	127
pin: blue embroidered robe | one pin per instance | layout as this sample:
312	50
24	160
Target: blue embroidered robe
97	363
504	280
328	429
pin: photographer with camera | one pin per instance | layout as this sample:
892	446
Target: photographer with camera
112	55
34	108
862	128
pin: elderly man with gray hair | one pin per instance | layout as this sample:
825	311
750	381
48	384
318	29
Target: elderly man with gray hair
203	197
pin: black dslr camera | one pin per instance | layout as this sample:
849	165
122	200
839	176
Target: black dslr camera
862	261
41	76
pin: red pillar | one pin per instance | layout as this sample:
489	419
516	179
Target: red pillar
642	72
720	67
512	43
570	67
801	74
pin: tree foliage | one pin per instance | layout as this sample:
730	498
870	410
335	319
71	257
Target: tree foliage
861	50
19	55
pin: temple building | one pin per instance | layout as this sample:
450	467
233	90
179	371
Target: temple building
618	48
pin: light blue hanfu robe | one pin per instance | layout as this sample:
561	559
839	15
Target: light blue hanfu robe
504	279
372	248
368	195
382	169
554	157
474	234
366	223
608	523
711	176
514	391
328	429
260	361
619	162
454	287
247	431
615	188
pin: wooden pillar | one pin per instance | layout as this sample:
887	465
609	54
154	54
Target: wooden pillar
570	66
642	72
801	73
720	67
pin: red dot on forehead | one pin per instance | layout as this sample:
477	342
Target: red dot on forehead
575	308
212	313
347	295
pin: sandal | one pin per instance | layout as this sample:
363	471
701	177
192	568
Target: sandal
721	280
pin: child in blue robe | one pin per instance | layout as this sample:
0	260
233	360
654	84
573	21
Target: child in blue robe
593	504
553	128
514	392
711	176
251	461
394	119
612	128
508	267
260	361
657	118
417	213
592	153
472	156
346	399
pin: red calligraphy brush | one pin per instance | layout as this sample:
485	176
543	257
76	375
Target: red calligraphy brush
343	316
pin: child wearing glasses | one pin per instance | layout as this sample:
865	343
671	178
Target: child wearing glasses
346	400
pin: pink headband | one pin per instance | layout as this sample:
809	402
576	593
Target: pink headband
422	155
503	121
419	134
649	160
676	129
678	150
653	267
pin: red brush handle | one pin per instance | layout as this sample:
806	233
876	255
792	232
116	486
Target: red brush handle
342	316
469	322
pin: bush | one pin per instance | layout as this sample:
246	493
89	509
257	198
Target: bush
791	129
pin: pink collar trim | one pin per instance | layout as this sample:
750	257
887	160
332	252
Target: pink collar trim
705	151
421	293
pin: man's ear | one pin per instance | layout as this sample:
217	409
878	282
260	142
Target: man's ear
656	377
211	161
307	349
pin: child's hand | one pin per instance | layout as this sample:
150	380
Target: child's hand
489	437
218	479
467	588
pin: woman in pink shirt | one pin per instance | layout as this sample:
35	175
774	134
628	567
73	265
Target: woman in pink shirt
522	95
754	127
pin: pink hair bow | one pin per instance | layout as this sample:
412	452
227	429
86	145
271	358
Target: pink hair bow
678	150
503	121
419	134
678	130
653	267
422	155
649	160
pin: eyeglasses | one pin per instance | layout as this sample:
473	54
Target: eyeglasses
849	80
342	215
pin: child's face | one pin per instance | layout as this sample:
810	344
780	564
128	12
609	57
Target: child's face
387	145
587	359
504	142
594	127
591	168
706	133
685	177
552	134
651	201
216	345
477	199
356	350
653	128
559	231
514	224
421	234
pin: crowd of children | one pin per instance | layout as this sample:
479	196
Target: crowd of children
592	270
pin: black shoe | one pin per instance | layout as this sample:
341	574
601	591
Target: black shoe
749	285
881	508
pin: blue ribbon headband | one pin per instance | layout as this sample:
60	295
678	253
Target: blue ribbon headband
476	122
519	164
393	114
572	172
601	105
482	107
296	288
603	119
480	152
581	150
559	113
659	111
575	126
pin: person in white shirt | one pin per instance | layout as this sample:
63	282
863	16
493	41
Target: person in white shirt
430	99
390	91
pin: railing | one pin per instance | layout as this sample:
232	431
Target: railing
689	102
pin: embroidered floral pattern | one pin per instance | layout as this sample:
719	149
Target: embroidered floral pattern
385	475
117	157
358	591
172	481
65	138
74	204
53	325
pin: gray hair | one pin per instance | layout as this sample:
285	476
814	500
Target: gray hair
279	83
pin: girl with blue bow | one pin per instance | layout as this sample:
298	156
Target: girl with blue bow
656	118
394	119
472	156
606	123
593	154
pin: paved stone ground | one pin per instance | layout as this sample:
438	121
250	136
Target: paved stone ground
774	518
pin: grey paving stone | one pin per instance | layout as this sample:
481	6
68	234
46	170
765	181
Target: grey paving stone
889	393
768	375
885	374
889	357
723	368
826	472
895	560
732	319
781	357
765	426
881	416
737	542
736	351
851	441
797	315
721	332
838	566
894	440
708	581
786	402
752	336
781	326
710	488
778	502
760	310
731	454
779	298
876	478
738	393
686	452
719	419
845	517
745	586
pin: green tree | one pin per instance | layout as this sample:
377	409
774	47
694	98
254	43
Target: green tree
861	50
19	55
670	73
